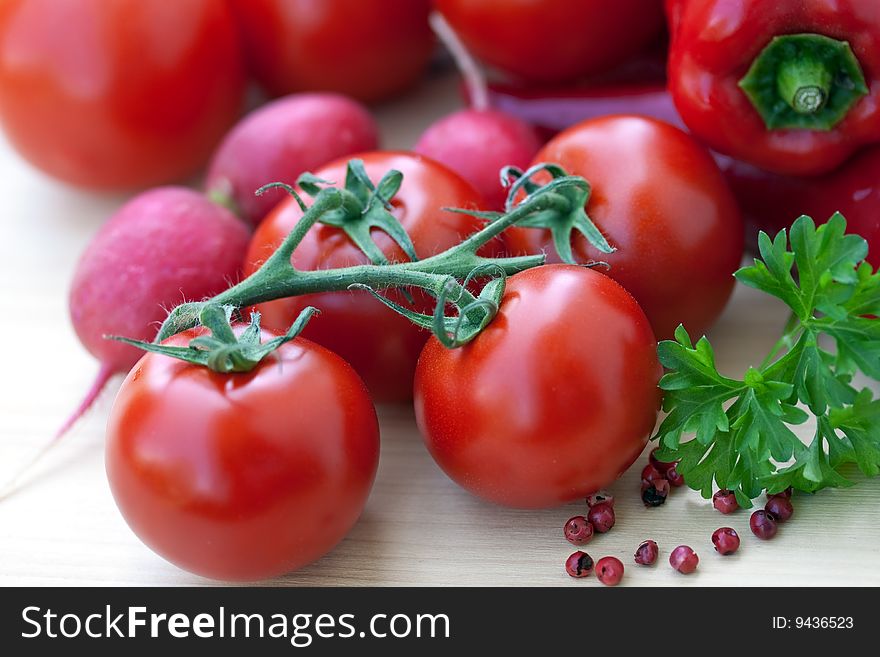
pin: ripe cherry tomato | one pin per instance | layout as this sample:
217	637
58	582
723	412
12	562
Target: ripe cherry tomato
548	41
659	198
553	400
381	345
242	476
367	50
119	94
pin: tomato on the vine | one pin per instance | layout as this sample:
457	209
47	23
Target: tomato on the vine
118	94
247	475
367	50
659	198
553	400
381	345
551	41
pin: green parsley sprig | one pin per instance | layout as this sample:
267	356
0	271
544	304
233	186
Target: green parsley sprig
743	437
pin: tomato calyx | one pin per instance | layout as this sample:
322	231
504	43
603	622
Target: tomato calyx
224	351
804	81
561	222
364	206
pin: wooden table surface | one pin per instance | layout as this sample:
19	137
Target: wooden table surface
419	528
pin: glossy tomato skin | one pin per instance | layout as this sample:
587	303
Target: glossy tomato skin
553	41
242	476
366	50
381	345
660	199
552	401
122	94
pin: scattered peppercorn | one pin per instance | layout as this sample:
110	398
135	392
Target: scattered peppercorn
600	497
601	516
725	540
674	477
763	524
650	473
654	493
780	507
684	559
609	570
578	530
725	501
579	564
646	553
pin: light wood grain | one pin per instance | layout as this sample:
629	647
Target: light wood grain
418	528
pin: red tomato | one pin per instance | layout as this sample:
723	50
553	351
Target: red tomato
242	476
550	41
367	50
553	400
381	345
658	197
119	94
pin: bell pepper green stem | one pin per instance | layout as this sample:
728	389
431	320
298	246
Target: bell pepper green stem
804	84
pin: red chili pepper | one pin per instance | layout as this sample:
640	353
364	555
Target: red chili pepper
791	86
771	201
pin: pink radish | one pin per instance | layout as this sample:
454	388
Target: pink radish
477	142
162	247
281	140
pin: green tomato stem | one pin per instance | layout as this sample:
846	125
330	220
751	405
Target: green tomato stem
277	278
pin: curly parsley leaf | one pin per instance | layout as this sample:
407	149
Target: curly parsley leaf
743	438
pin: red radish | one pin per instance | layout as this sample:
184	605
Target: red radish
165	246
281	140
477	142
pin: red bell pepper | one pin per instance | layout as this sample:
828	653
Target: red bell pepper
791	86
771	201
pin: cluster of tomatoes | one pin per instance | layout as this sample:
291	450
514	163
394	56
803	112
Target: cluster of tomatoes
128	94
250	474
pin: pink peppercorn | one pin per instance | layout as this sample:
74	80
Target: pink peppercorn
654	493
725	501
578	530
684	559
763	524
780	507
674	478
646	553
601	516
609	570
725	540
579	564
650	473
600	497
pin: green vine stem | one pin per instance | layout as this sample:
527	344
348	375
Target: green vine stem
439	275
